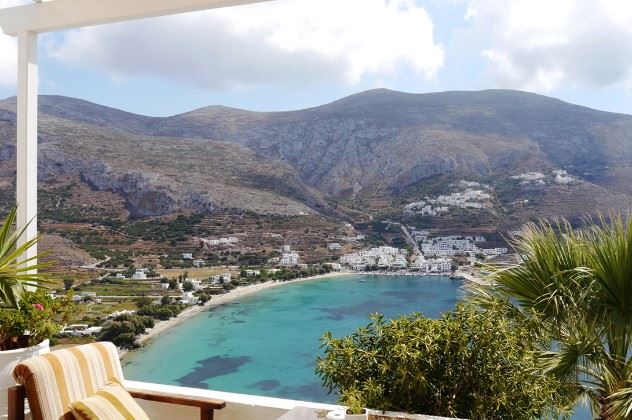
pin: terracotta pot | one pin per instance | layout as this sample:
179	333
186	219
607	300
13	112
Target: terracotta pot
8	360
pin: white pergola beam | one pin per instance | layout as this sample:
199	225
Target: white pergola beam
57	15
26	176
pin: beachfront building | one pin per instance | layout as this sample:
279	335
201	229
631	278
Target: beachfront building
383	258
440	265
431	265
289	259
420	264
219	279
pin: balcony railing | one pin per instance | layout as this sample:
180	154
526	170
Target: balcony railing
246	407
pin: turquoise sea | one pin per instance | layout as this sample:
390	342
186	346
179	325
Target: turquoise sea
266	343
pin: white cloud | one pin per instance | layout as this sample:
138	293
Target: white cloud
542	44
8	60
283	42
8	51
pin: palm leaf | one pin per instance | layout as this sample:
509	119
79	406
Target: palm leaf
17	274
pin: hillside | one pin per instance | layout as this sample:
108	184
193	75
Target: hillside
375	150
155	176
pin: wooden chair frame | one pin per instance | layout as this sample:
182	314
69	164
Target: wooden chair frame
17	395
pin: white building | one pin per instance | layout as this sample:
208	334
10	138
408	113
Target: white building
493	251
334	246
252	273
197	284
220	279
420	264
289	260
384	257
198	263
187	256
140	274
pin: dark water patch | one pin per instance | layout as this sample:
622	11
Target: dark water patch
239	321
339	313
312	391
211	368
266	385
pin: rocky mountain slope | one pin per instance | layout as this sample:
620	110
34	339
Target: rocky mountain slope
374	145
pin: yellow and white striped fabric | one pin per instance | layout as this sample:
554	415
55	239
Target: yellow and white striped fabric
111	402
55	380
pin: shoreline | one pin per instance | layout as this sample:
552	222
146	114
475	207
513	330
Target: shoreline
162	327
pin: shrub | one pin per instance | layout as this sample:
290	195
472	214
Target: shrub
469	364
160	312
123	330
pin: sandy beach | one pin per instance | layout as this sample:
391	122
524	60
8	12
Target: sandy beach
217	300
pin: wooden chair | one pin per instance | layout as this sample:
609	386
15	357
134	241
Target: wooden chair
51	382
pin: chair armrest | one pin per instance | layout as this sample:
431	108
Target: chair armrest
165	397
15	403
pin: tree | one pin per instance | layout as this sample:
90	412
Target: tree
166	300
187	286
576	285
469	363
68	282
123	330
143	301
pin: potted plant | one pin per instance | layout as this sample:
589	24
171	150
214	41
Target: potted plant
355	409
25	331
27	313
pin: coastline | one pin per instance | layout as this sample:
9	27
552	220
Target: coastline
217	300
473	277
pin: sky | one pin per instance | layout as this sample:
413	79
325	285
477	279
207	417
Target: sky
293	54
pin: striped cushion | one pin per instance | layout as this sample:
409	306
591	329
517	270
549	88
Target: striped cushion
54	380
111	402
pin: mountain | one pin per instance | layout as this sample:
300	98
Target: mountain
155	175
375	146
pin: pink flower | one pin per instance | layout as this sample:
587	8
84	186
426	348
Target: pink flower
38	306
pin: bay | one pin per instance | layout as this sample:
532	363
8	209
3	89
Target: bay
267	343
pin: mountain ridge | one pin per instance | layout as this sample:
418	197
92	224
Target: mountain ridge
378	143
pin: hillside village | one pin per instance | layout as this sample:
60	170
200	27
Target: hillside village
473	195
557	176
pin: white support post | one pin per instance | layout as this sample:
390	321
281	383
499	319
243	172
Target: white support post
26	177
